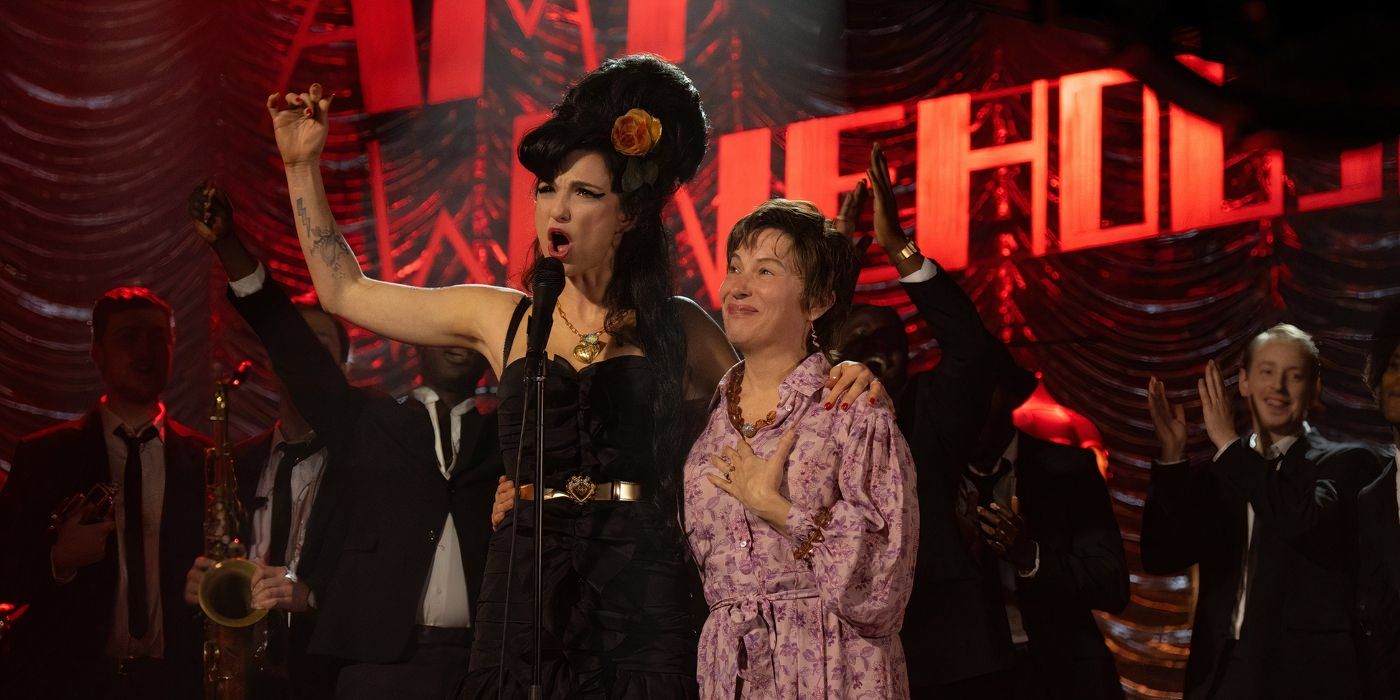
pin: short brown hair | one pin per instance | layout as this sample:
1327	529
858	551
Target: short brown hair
125	299
1290	333
825	258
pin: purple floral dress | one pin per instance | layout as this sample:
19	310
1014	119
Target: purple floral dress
824	627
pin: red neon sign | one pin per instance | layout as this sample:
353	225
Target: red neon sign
946	158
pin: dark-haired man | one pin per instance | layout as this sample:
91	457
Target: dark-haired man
419	479
1019	540
106	618
294	527
1270	521
1378	518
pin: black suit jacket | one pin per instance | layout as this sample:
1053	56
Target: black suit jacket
396	496
1378	583
953	629
60	643
1298	635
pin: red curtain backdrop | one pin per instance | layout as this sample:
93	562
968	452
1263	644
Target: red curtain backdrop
111	112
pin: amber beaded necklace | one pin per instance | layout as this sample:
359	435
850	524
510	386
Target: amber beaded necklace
736	414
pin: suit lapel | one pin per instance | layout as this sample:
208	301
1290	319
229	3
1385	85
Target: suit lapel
96	468
96	464
323	509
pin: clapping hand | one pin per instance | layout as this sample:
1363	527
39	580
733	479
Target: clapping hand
849	215
1217	406
1169	420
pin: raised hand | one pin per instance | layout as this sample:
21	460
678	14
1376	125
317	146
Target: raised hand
211	212
1169	420
1217	407
849	215
754	481
888	233
301	126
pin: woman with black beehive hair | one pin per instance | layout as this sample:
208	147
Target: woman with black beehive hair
626	358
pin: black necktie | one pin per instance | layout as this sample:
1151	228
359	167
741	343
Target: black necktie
292	455
1251	553
133	536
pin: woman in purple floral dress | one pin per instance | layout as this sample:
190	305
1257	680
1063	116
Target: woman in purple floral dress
801	515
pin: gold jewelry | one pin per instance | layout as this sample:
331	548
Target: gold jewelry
736	414
591	345
908	251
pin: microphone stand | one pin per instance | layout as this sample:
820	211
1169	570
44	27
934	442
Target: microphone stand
538	378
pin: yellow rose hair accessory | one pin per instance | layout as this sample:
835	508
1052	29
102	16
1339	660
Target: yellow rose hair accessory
636	134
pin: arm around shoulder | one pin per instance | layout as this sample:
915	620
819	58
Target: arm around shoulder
708	352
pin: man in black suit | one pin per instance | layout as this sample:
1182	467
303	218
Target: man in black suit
1018	539
419	480
292	502
1270	520
1378	519
106	618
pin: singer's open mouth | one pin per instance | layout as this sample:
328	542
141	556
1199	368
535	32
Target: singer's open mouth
559	243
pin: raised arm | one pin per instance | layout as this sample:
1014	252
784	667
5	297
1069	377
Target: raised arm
708	352
945	307
463	315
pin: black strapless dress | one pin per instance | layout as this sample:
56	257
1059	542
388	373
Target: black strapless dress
619	594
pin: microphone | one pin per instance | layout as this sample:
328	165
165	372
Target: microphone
549	282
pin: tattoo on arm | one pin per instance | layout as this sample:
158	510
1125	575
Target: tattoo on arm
325	241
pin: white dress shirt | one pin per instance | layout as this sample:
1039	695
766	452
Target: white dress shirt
925	273
444	601
306	481
120	644
1397	481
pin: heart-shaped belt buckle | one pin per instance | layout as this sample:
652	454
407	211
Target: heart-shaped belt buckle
580	488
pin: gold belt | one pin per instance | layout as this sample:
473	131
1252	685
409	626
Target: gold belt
581	489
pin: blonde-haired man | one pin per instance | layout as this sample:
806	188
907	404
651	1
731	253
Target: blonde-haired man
1271	522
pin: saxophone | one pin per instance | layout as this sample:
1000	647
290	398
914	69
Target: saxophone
226	593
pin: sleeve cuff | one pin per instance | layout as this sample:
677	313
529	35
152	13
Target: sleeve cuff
58	578
1034	569
800	524
1222	450
250	285
923	274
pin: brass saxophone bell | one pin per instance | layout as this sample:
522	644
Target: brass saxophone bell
226	593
